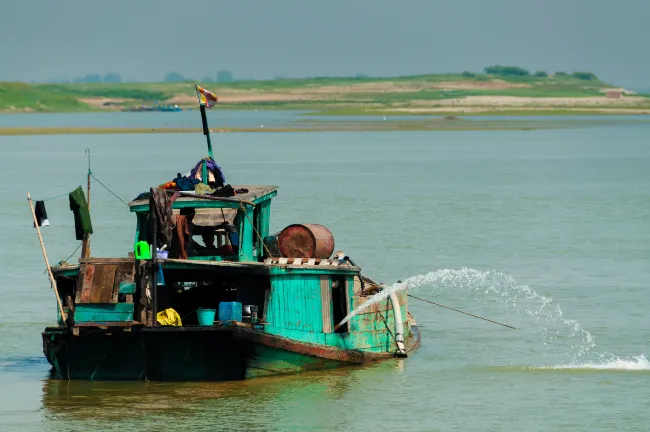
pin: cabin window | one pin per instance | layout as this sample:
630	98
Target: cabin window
142	231
339	303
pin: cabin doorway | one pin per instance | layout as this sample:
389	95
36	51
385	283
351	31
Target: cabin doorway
339	303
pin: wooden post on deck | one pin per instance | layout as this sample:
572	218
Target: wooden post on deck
47	262
154	260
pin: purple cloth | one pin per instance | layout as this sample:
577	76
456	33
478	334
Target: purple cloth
212	166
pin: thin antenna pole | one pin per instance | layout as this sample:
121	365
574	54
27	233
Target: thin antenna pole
47	262
85	247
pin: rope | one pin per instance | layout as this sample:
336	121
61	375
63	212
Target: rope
466	313
268	252
65	260
75	251
56	197
105	187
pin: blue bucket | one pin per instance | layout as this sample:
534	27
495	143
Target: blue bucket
206	316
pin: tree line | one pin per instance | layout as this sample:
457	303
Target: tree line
516	71
111	77
224	75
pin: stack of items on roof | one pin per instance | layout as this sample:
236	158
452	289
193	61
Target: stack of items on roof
194	182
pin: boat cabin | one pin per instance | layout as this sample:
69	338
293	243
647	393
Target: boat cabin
215	229
219	255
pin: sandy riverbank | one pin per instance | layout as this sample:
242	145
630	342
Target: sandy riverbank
393	124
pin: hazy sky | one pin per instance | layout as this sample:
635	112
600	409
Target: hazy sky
144	39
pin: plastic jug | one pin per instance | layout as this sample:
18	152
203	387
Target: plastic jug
142	250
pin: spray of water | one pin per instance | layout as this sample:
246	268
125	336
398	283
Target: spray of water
609	362
539	318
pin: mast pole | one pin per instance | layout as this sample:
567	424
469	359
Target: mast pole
85	247
206	131
204	121
47	262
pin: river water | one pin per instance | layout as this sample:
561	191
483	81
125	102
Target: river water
548	231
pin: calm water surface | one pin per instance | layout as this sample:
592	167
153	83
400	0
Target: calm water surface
546	230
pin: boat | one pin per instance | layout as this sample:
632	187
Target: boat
155	107
208	293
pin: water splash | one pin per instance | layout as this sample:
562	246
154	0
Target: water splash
543	332
537	316
636	363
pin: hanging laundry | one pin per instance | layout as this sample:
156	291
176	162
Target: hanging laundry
79	207
41	214
181	235
161	208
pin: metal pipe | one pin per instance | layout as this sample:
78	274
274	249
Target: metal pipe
399	326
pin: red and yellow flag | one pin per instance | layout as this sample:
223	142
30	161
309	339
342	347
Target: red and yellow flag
206	98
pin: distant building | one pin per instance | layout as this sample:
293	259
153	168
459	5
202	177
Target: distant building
614	93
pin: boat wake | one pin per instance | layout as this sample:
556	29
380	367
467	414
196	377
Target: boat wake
636	363
563	341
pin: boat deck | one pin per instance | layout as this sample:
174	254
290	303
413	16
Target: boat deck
269	266
254	195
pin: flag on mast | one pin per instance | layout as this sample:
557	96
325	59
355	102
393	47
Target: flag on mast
206	98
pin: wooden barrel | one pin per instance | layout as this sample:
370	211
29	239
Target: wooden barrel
306	241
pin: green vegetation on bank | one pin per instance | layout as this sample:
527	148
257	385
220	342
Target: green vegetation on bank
327	94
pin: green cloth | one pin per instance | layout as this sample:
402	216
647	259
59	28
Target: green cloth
203	189
79	207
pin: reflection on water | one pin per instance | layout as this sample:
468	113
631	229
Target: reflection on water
250	404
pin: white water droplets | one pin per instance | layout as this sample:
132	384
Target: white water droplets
610	362
499	294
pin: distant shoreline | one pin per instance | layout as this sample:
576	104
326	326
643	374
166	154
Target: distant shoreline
393	124
435	94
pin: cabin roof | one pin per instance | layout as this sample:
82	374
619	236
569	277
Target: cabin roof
255	195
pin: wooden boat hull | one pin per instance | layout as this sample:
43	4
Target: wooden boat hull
192	354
